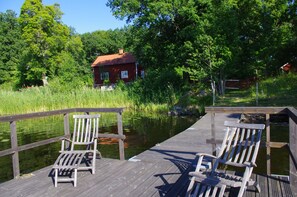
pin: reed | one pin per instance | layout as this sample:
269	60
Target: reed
37	99
43	99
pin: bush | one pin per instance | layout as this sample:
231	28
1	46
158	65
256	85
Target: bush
158	86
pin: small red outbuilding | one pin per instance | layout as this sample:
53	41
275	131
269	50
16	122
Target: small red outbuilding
286	67
108	69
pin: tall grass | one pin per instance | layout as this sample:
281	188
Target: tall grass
36	99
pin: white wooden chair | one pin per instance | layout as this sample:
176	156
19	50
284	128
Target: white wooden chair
239	149
82	145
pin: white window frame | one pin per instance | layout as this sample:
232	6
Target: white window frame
104	76
124	74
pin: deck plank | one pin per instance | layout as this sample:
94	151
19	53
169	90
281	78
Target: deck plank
160	171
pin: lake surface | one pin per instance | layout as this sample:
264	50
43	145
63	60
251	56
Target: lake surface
142	132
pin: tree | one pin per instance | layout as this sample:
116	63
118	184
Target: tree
103	42
239	37
179	35
46	38
10	47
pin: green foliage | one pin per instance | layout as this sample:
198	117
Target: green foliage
36	99
179	43
103	42
10	47
212	39
280	91
158	86
49	45
121	85
274	91
56	96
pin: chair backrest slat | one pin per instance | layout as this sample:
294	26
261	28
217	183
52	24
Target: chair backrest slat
257	145
86	128
241	142
229	143
239	148
234	143
246	144
87	131
78	122
251	145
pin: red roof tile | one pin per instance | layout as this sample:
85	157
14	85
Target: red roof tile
114	59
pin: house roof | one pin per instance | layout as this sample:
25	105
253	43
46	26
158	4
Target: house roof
114	59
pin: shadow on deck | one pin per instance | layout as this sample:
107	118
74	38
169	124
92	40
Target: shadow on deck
160	171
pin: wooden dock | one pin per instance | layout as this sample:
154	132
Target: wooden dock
159	171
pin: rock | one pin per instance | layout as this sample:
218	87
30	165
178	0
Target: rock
180	111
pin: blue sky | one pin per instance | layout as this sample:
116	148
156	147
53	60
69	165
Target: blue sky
83	15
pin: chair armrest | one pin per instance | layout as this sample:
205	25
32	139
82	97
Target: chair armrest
206	155
245	164
63	143
201	156
250	164
66	139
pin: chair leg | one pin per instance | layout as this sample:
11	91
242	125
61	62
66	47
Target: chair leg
190	188
99	154
241	191
75	177
93	162
56	177
255	184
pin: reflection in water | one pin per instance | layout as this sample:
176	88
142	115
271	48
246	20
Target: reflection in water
142	132
279	156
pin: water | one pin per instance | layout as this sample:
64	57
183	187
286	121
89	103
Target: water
142	132
279	132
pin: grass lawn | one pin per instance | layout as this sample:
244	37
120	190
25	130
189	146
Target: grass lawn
278	91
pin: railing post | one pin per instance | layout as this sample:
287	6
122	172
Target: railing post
14	146
120	132
268	149
293	149
66	124
66	128
213	133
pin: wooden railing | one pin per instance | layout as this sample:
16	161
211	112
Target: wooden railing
267	111
15	148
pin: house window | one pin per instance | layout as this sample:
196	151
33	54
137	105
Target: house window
104	76
124	74
142	74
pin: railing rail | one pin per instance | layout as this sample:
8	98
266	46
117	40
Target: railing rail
15	148
267	111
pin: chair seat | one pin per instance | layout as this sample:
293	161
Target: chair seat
66	163
69	160
217	178
209	186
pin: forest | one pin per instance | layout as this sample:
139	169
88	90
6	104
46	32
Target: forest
182	44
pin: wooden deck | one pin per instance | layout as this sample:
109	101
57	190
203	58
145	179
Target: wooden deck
159	171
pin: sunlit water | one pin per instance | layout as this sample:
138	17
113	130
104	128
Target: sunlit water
142	132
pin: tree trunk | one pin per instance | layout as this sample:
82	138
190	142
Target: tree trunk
213	87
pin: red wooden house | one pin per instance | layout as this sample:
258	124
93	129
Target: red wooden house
286	67
108	69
